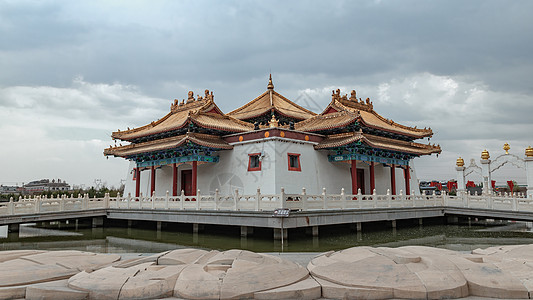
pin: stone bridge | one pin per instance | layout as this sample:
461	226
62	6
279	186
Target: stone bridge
277	211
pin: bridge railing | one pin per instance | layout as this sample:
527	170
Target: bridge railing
265	202
39	204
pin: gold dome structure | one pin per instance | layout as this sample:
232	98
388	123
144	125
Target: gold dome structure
529	152
460	162
485	154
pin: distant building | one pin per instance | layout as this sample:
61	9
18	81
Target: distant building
45	185
5	190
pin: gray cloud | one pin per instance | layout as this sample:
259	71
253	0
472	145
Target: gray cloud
206	41
461	67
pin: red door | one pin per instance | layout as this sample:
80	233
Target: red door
361	180
186	182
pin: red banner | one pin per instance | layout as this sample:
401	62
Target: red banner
436	184
451	185
470	184
493	182
510	183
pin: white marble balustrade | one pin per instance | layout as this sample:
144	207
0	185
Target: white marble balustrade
265	202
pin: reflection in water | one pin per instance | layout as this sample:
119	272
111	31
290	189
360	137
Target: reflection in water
141	240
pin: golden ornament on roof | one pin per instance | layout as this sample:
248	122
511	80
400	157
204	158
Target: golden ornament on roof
460	162
506	147
485	154
270	85
273	122
529	151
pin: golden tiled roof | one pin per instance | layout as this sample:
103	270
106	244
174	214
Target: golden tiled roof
201	139
338	140
373	119
271	100
327	121
362	111
203	112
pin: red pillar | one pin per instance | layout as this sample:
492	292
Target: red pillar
137	181
393	179
372	179
407	176
174	179
354	177
194	177
152	181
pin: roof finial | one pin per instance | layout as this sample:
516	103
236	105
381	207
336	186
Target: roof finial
270	85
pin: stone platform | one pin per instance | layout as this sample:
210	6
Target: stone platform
411	272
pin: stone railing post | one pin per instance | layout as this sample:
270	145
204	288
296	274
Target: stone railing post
198	197
128	205
128	200
445	199
153	200
257	199
282	198
389	199
217	199
304	199
324	199
490	202
182	199
106	200
37	204
343	198
11	207
515	203
61	202
236	199
85	202
166	200
401	198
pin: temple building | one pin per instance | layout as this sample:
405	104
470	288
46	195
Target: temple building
270	143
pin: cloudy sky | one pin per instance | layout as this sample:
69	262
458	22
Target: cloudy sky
71	72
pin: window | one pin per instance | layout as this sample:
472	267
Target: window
254	162
294	162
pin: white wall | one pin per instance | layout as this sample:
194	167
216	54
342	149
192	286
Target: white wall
231	172
382	178
414	184
332	176
129	185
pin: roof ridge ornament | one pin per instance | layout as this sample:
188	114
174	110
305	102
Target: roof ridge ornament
190	97
273	122
270	85
209	97
352	101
